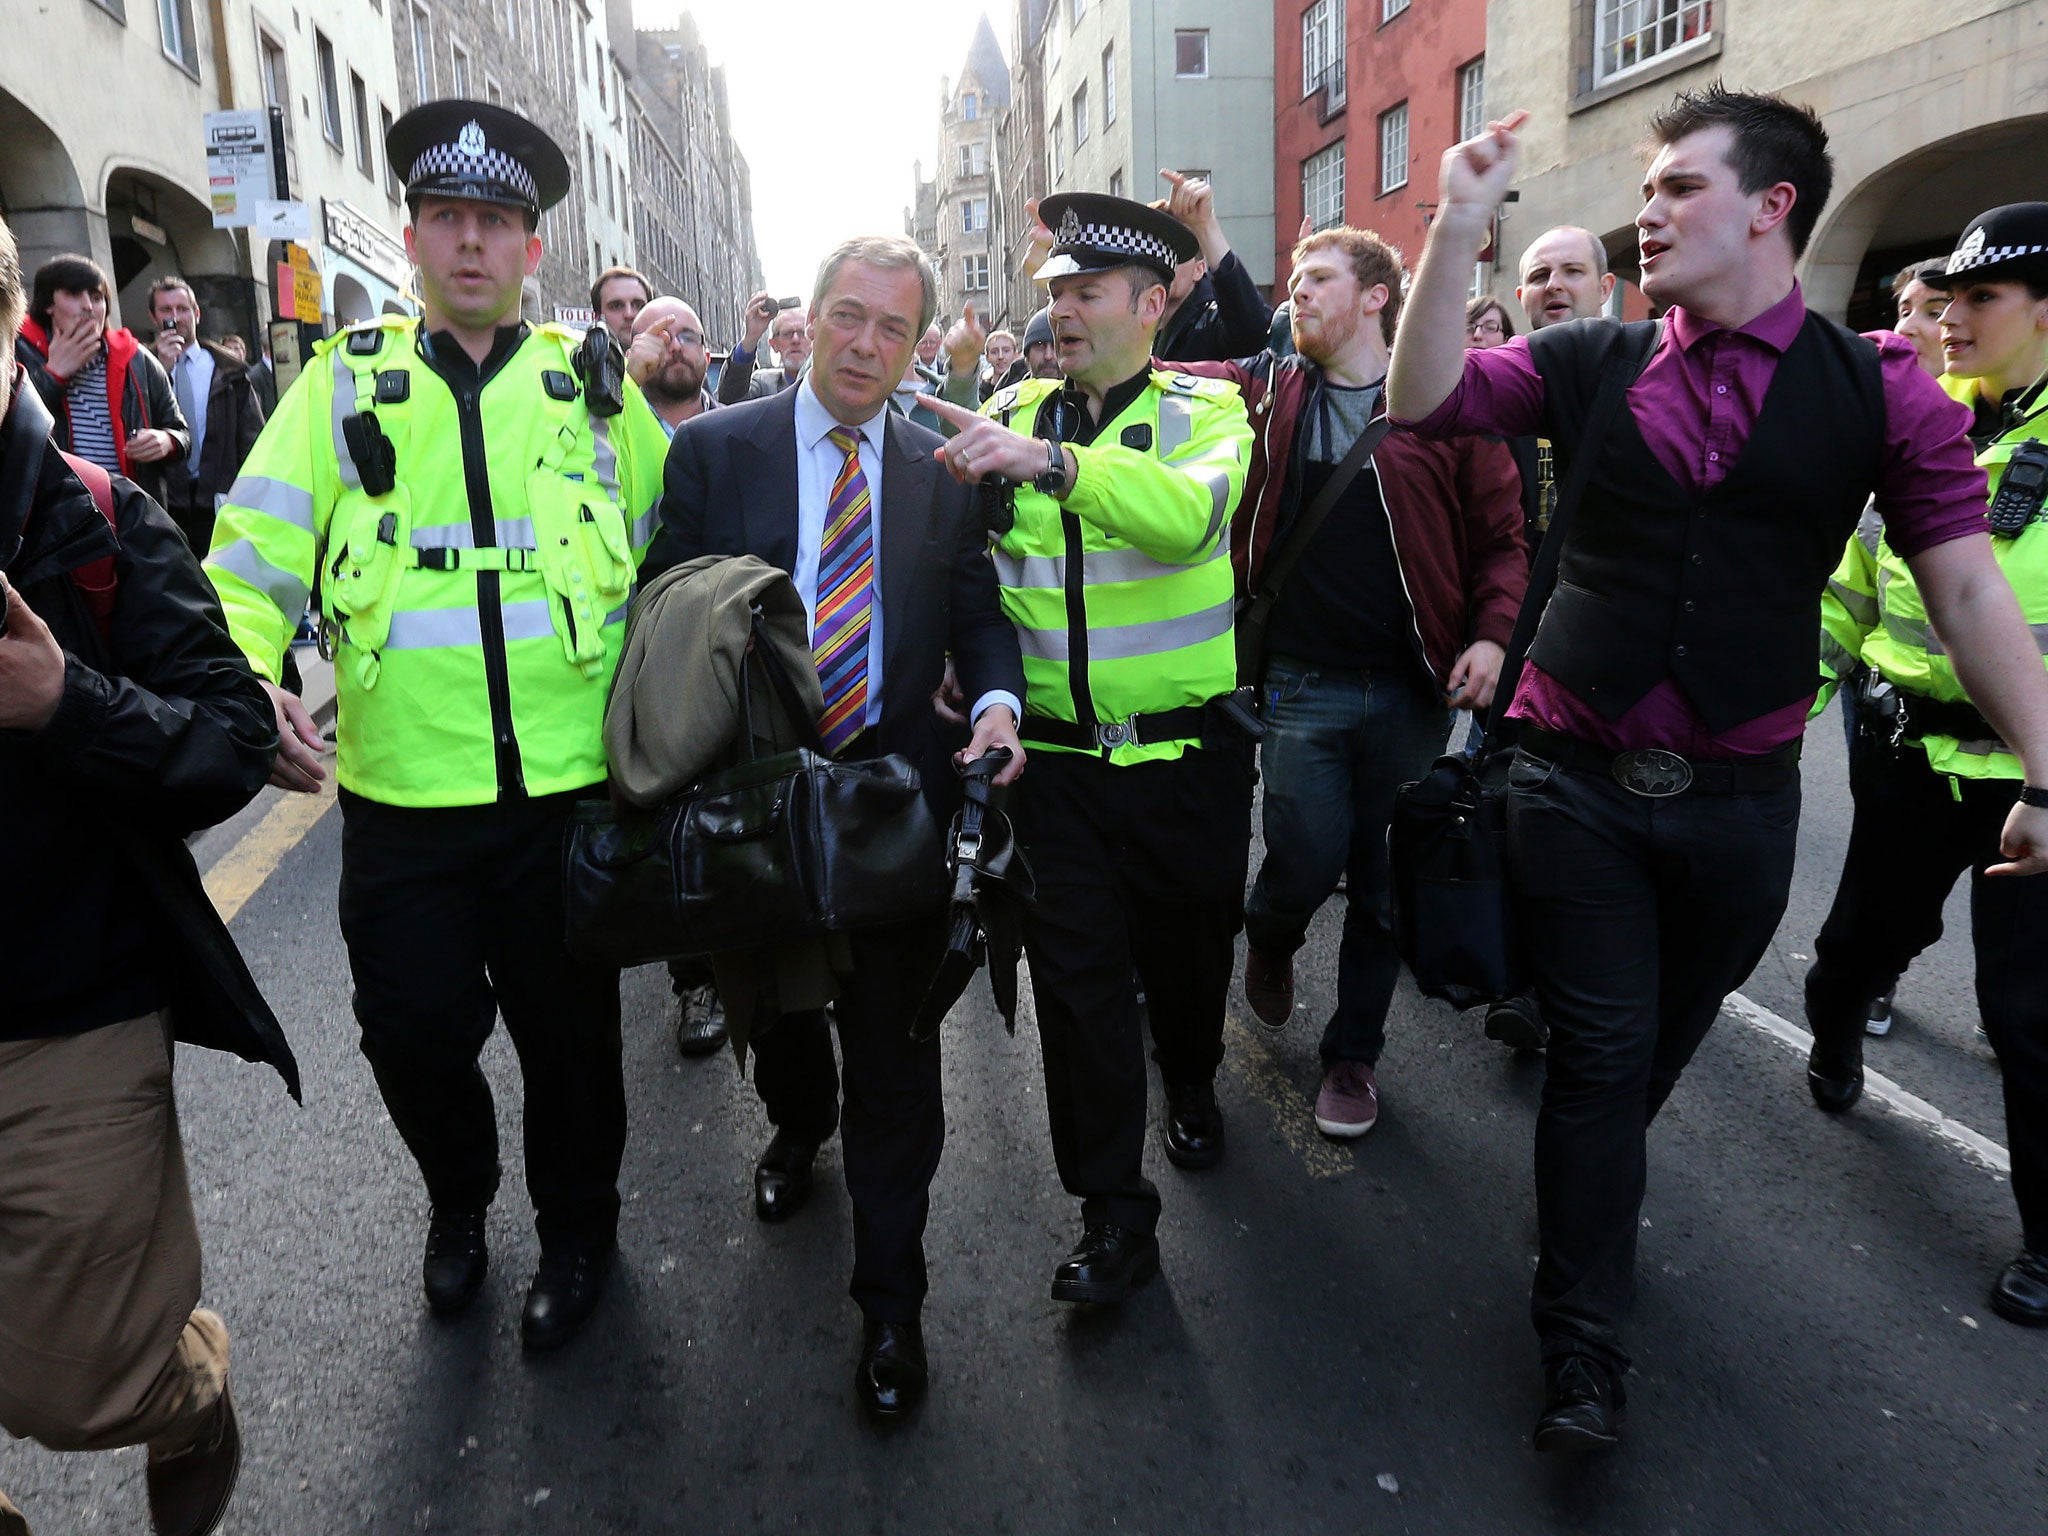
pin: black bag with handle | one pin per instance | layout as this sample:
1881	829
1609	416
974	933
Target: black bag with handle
773	850
1453	913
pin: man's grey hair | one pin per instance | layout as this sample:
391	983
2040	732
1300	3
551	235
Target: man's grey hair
12	297
889	251
1593	243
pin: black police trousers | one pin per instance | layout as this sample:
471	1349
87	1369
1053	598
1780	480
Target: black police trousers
1914	832
894	1123
452	917
1640	915
1138	867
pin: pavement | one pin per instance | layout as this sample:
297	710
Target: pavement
1338	1341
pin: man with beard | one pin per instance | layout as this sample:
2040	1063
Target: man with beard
1396	612
668	360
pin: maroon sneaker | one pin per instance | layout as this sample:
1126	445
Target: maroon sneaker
1269	987
1349	1104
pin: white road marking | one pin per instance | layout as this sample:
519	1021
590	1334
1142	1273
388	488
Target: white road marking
1877	1086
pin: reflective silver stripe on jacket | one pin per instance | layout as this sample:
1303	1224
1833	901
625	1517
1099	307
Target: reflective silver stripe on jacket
344	407
1099	567
422	629
641	529
280	499
604	460
1176	424
1218	481
1913	632
512	533
1862	606
1124	642
242	559
1836	657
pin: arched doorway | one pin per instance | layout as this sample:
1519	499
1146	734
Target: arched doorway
1915	207
352	303
154	229
40	192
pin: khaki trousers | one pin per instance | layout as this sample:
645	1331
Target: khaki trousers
100	1345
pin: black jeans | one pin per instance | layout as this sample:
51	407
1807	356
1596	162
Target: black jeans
453	916
1338	745
893	1126
1914	832
1641	915
1139	867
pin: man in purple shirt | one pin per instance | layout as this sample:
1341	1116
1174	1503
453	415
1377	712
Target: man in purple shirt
1655	792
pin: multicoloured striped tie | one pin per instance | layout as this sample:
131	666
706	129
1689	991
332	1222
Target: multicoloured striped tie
846	580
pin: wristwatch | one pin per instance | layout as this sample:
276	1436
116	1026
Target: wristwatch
1054	480
2030	795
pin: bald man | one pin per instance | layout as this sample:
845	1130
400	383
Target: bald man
1564	277
668	361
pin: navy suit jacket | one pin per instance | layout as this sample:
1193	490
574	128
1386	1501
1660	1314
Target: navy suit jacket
729	488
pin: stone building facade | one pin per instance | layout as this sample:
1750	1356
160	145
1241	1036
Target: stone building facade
966	180
693	193
1934	113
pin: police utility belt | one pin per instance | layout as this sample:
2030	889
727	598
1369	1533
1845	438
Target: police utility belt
1200	723
1890	715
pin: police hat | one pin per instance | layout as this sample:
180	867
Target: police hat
2009	242
1092	232
476	150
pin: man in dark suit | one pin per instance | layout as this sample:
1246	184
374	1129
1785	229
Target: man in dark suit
889	553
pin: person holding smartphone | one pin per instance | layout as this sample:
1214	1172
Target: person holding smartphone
110	396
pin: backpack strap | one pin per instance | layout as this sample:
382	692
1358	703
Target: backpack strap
97	579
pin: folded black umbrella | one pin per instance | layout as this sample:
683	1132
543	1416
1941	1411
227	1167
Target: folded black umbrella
992	884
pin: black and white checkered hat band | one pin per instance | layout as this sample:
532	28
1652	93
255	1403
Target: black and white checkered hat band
1119	240
1990	255
493	165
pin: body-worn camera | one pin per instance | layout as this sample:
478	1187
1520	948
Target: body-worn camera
602	368
2021	490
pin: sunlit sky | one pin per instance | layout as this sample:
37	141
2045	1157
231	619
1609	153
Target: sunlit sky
832	101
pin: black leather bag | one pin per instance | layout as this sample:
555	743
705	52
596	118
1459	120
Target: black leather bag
774	850
1453	912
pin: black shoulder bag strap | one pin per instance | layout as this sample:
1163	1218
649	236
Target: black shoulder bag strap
1619	369
1258	614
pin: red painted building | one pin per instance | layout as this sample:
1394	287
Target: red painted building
1368	94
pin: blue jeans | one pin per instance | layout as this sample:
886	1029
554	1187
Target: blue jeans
1338	744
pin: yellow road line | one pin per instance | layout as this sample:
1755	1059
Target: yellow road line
240	872
1291	1109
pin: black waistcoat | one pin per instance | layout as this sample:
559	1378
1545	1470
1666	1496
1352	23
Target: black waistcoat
1720	592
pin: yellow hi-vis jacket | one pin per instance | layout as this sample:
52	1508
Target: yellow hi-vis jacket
1123	592
479	604
1873	613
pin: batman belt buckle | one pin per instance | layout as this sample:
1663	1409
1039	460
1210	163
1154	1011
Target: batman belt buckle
1653	773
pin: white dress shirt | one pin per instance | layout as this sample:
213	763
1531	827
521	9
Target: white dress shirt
196	363
818	463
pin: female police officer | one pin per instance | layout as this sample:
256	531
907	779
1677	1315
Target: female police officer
1934	786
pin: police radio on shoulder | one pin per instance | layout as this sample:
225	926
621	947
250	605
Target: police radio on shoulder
2021	490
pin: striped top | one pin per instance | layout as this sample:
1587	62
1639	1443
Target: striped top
92	425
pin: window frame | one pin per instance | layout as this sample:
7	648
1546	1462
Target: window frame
179	14
1326	169
1323	21
423	50
1079	102
1397	113
1109	85
394	190
359	110
327	76
1389	9
1471	115
1190	32
458	69
1607	12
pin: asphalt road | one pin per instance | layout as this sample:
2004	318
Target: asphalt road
1338	1342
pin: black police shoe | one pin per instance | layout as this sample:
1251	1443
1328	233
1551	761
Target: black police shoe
2021	1294
1193	1131
1583	1407
1834	1074
456	1259
1106	1266
700	1021
782	1178
892	1374
564	1293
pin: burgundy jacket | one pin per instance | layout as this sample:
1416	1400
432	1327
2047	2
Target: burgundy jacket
1455	507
